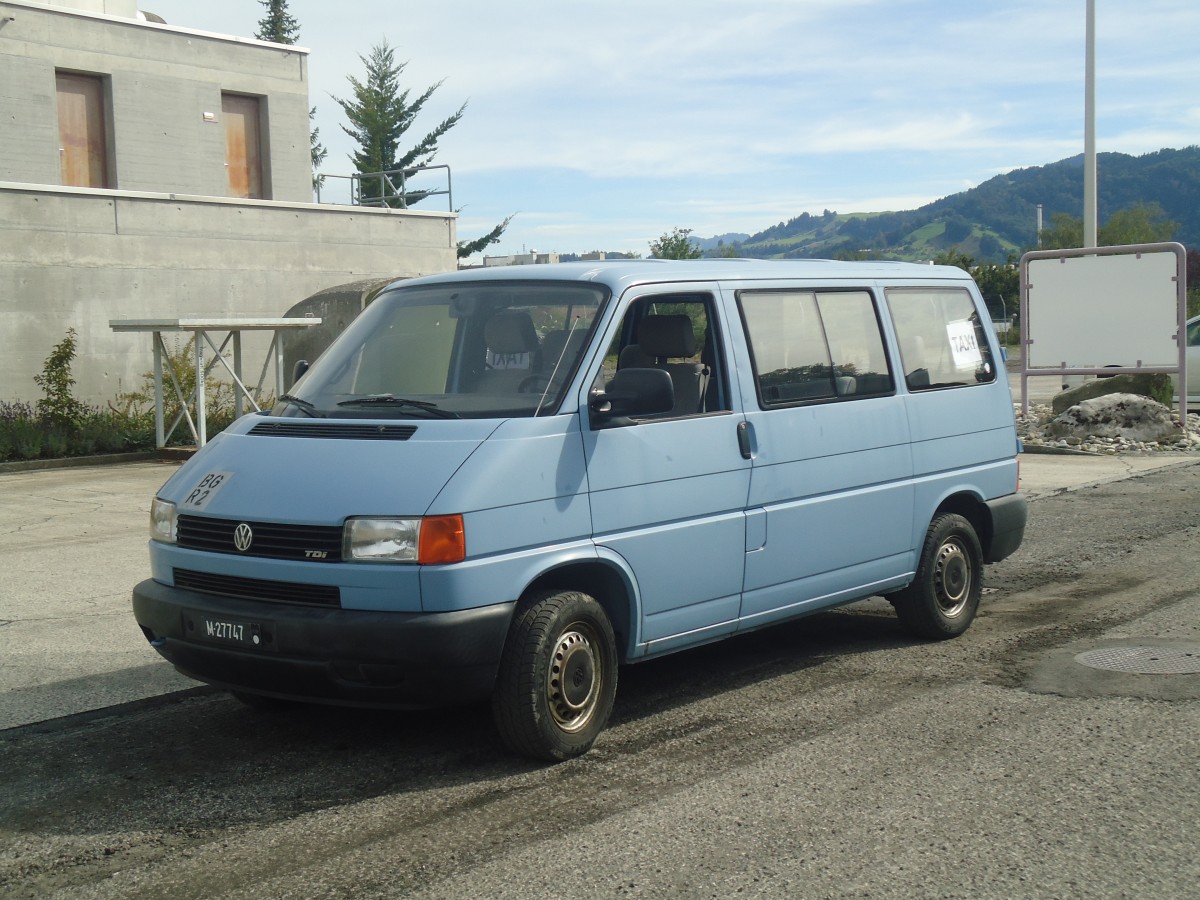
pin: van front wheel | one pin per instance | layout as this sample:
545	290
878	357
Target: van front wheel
942	599
558	676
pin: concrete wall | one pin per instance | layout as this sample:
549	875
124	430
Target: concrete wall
71	257
161	81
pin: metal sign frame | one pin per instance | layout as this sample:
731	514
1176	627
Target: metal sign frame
1106	311
200	329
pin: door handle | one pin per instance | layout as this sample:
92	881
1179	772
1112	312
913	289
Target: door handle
744	443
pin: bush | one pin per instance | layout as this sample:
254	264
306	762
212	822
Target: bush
27	439
25	434
58	403
219	395
59	425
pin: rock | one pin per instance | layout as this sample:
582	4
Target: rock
1143	385
1129	417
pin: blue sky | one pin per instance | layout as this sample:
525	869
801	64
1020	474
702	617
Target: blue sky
604	125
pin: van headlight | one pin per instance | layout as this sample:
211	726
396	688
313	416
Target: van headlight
430	540
163	521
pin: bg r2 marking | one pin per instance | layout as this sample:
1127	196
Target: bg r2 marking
206	489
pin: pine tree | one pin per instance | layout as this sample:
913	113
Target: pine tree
317	151
470	248
278	25
380	115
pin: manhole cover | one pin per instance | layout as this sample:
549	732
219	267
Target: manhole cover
1176	659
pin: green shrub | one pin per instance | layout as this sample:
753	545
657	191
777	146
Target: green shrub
58	403
27	438
59	425
56	442
91	435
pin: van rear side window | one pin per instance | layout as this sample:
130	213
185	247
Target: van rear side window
809	345
942	340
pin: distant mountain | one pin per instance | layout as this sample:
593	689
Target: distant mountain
998	217
719	240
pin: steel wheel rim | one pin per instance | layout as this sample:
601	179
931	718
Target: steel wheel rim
574	677
952	578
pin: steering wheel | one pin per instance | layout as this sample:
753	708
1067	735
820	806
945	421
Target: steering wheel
533	384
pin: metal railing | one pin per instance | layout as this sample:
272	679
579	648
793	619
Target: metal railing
391	188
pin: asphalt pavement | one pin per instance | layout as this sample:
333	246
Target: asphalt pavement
74	544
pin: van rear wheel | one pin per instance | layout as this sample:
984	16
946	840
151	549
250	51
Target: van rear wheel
942	600
558	676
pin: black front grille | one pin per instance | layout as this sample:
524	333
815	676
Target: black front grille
259	589
309	543
334	429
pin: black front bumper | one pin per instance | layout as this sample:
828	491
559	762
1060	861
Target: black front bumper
350	657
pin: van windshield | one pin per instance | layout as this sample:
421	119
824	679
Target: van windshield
461	350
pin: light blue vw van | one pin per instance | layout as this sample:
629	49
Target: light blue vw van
508	482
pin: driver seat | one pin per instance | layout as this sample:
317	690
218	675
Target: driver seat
667	337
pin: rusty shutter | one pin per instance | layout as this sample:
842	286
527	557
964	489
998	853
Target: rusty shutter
83	140
243	146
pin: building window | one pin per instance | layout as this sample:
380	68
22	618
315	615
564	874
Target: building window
243	145
82	130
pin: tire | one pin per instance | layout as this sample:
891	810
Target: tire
942	600
557	678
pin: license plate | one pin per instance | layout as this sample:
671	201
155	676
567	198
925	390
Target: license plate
224	630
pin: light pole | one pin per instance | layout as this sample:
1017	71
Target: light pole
1089	130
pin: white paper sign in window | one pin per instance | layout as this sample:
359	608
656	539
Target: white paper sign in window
964	345
508	360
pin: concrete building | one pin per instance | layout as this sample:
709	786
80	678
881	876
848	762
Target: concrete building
532	258
154	171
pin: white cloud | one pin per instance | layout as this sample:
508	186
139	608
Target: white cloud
610	121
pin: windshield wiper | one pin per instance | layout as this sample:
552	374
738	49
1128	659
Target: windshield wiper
401	402
302	404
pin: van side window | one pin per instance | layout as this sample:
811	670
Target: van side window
675	333
809	345
942	340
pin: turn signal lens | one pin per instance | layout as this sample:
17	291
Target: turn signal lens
442	540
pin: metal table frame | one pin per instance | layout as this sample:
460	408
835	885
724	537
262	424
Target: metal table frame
200	329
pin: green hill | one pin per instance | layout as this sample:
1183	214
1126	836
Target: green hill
998	217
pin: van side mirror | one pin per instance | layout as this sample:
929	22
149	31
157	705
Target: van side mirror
299	369
632	392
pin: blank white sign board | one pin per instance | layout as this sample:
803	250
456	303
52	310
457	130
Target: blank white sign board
1111	310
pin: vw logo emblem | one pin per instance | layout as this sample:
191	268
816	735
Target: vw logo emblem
243	537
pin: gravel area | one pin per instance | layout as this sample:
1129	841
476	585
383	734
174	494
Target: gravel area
1032	431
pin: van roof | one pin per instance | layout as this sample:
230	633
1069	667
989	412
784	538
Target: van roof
621	273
